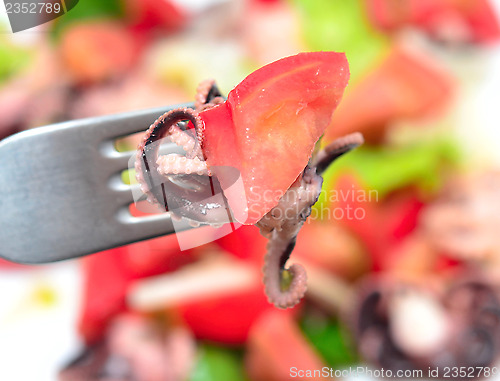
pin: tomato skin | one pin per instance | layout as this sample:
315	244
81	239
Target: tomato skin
274	116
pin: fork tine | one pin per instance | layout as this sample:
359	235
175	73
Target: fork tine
119	161
151	226
118	125
125	196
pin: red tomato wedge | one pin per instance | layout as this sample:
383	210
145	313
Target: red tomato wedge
277	348
455	20
406	85
269	125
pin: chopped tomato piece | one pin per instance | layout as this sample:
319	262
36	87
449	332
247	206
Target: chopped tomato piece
270	123
108	275
97	51
406	85
245	243
384	225
277	350
226	319
145	15
458	20
327	245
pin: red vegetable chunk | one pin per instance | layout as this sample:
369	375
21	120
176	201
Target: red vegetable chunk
406	85
269	125
453	20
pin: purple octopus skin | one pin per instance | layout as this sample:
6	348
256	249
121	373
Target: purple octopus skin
160	176
472	339
188	196
135	348
282	227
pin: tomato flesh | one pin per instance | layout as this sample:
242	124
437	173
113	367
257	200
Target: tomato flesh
269	125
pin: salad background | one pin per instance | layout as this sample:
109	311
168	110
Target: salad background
424	90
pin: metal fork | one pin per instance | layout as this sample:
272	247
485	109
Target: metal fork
61	194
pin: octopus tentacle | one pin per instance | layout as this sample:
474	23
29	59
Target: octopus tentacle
207	95
185	180
336	149
282	228
279	248
152	184
178	164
